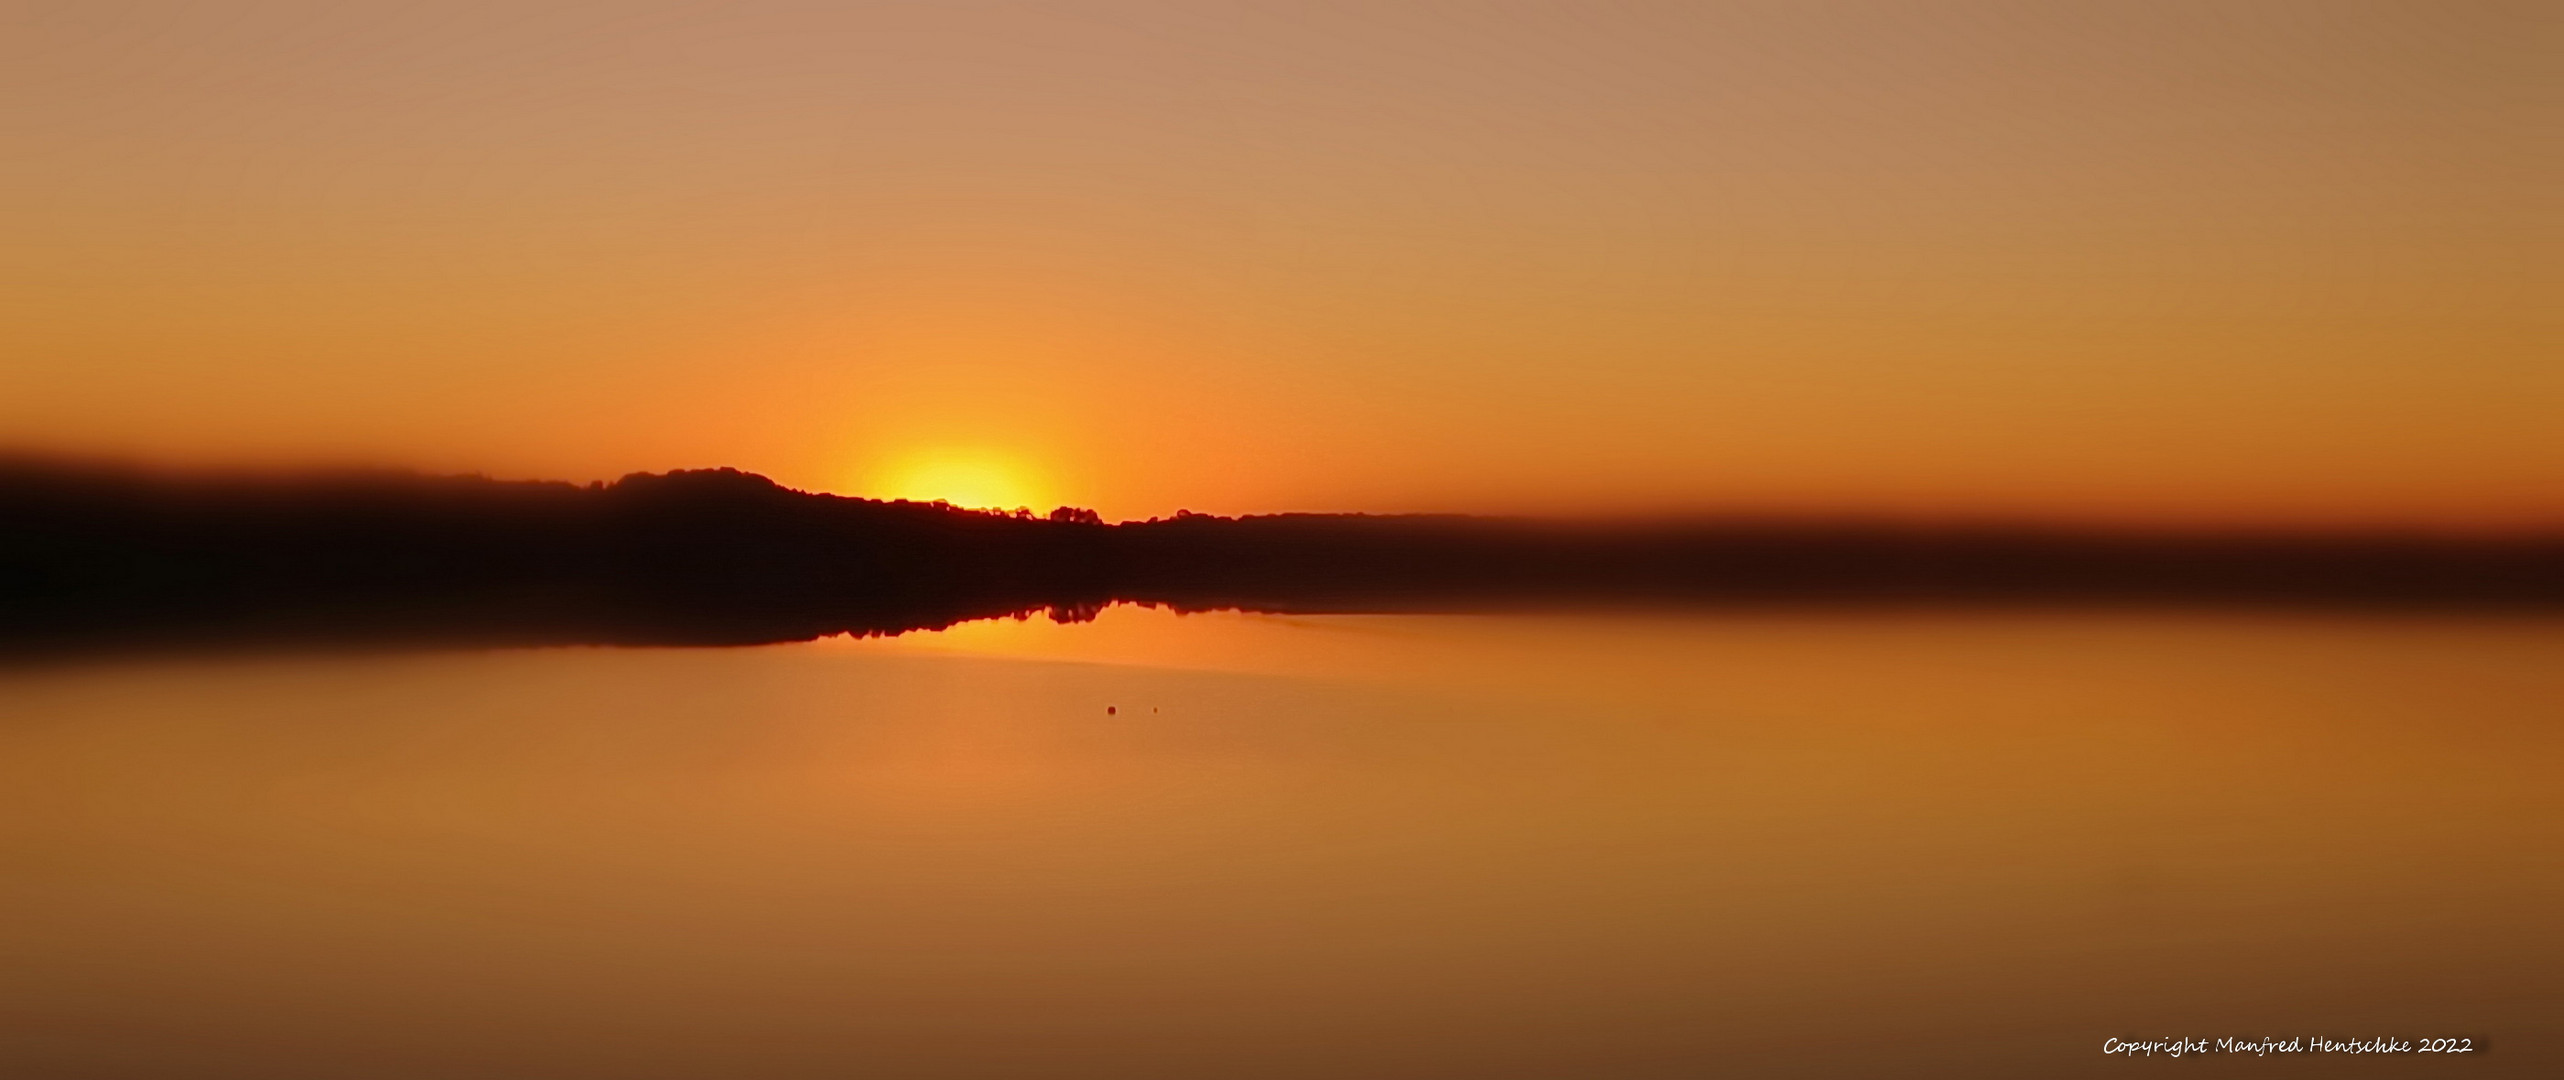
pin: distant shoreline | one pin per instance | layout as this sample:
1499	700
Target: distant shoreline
98	557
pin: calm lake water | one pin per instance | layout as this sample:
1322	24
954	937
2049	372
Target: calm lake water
1242	846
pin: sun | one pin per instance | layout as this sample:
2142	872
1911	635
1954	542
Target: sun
974	478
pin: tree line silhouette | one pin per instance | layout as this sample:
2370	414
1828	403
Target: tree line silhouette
95	556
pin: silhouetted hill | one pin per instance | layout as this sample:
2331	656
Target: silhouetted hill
106	556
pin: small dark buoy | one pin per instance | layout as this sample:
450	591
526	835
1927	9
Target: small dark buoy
1110	710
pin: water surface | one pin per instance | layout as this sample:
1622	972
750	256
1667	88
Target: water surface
1228	845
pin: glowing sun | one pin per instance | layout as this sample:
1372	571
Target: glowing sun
970	478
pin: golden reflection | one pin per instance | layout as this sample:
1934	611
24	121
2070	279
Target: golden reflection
1478	847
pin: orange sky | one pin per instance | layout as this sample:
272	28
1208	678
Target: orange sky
2131	260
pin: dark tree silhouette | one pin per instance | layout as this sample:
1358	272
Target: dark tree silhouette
92	555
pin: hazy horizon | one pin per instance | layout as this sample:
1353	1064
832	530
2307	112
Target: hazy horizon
2138	262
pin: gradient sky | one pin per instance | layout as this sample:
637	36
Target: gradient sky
2146	260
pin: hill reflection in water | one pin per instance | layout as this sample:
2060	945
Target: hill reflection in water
96	559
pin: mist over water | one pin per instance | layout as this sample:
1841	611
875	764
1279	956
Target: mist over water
1237	845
